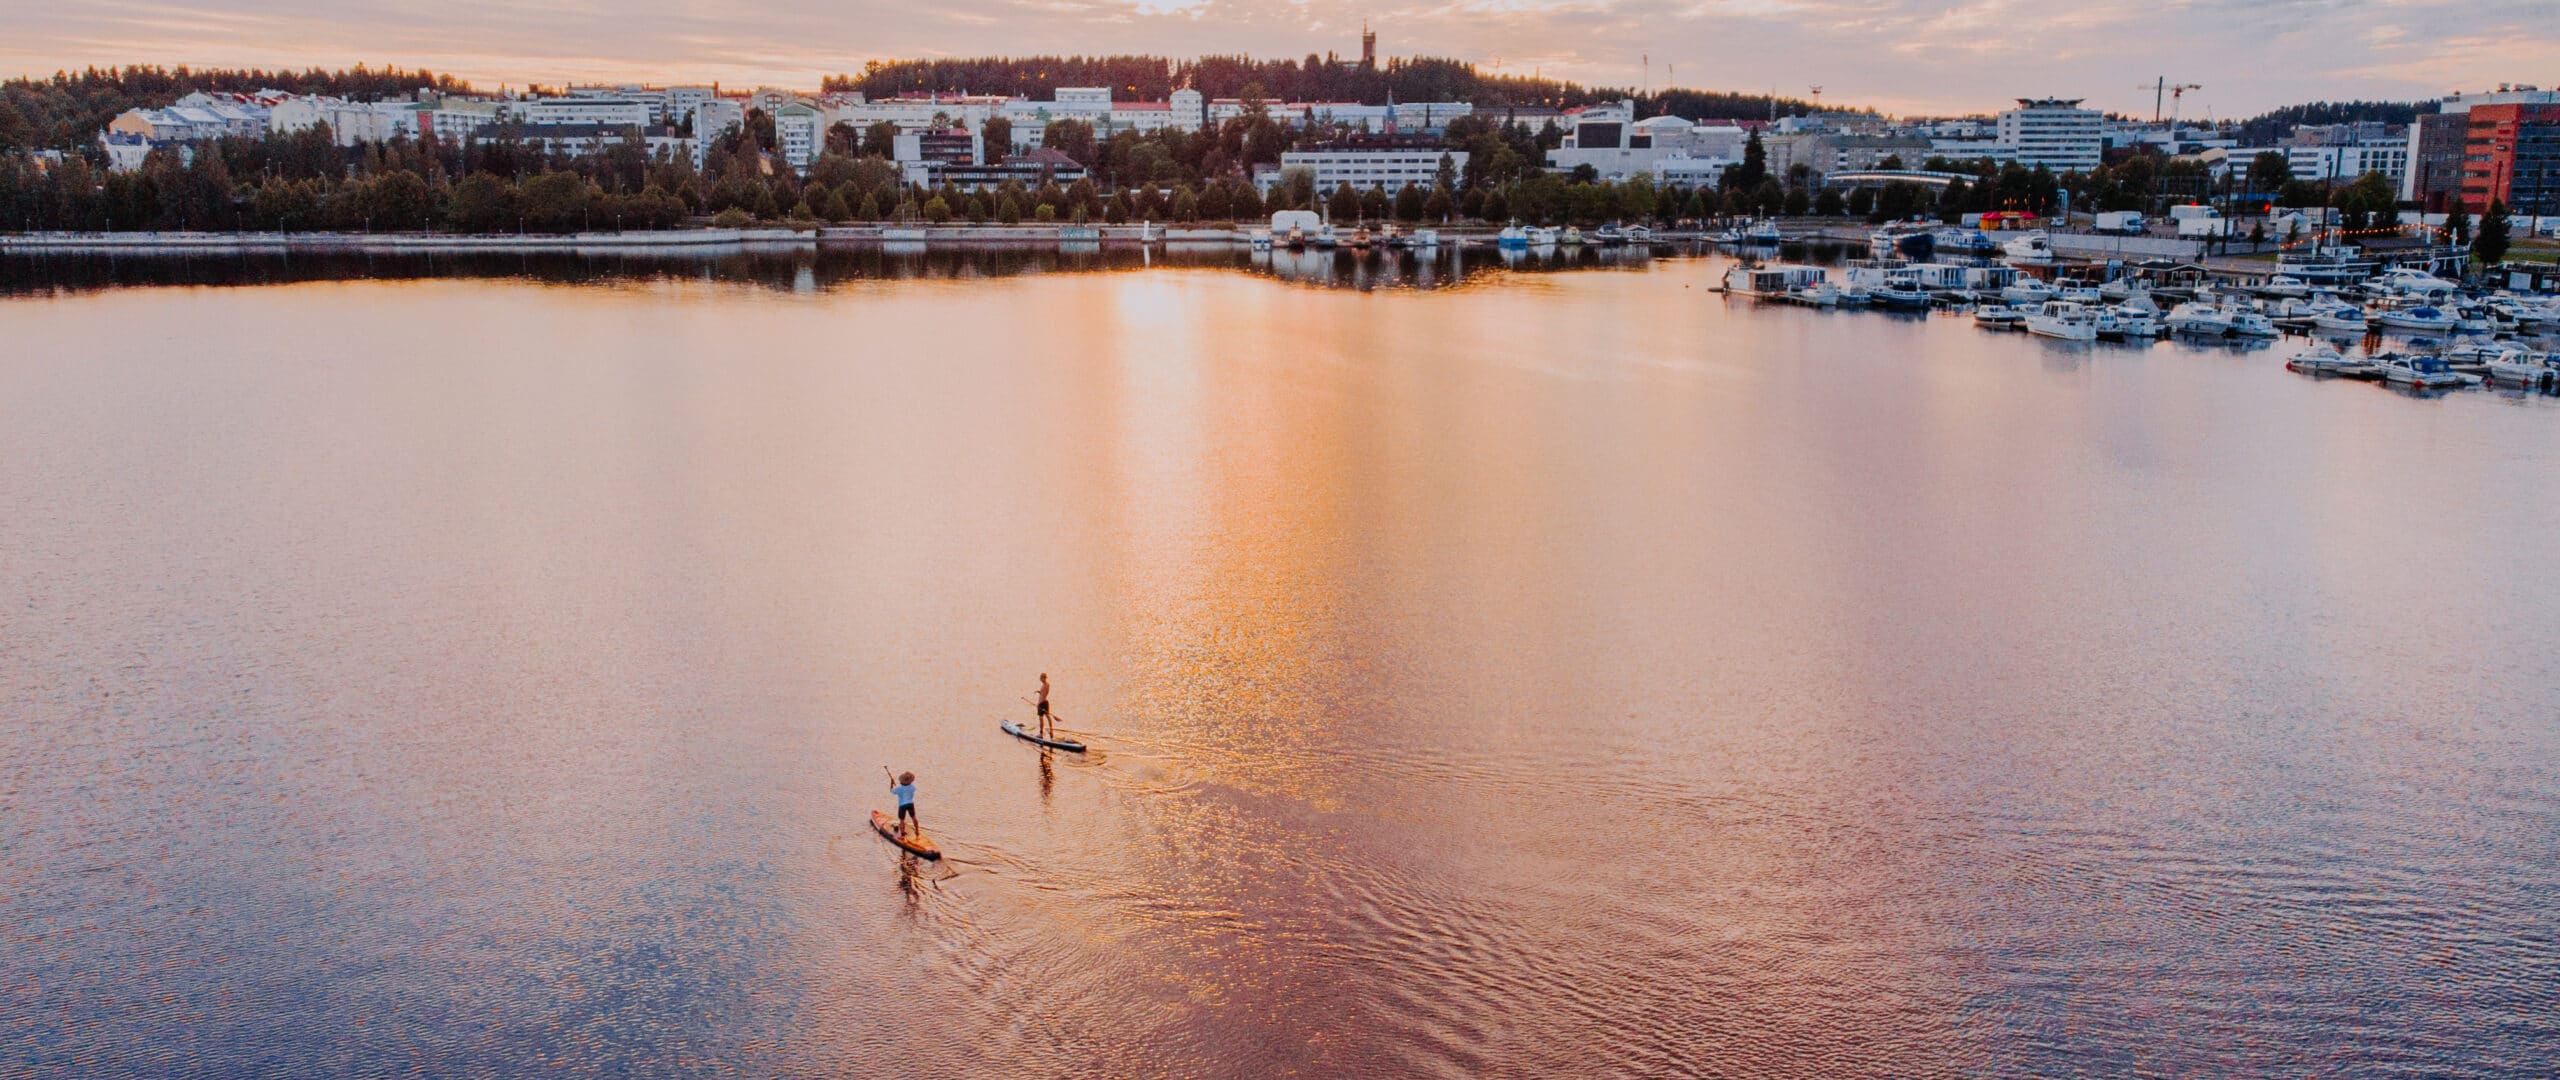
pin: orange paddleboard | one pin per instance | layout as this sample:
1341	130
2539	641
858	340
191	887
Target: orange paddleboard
888	827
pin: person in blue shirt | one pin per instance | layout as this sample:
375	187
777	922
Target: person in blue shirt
904	787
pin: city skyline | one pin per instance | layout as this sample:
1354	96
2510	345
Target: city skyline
1901	56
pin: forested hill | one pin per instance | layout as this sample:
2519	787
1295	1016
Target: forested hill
1315	78
68	109
2266	128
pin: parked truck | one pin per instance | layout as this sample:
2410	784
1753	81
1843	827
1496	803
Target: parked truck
2197	220
2120	222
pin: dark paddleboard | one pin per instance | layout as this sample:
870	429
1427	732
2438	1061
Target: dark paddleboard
1015	729
888	827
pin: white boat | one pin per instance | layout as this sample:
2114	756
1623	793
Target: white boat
1325	237
2026	292
2063	319
1639	234
2419	317
1901	290
1773	281
1998	317
1572	236
1426	238
1261	239
1818	294
1512	236
2327	312
2526	310
2200	318
2529	368
2325	359
1540	236
1963	242
2248	323
1763	231
2402	281
2285	286
2414	369
2033	249
2077	292
2123	323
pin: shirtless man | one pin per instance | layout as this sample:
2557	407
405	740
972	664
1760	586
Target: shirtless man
1042	706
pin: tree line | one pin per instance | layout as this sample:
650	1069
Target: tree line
1315	78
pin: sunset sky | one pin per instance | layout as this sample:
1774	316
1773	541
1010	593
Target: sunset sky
1904	56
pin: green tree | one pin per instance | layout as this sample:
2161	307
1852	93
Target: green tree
880	139
995	137
1409	203
1344	202
558	202
2490	245
397	201
1953	200
1754	167
2457	224
937	210
1073	138
1438	206
2268	172
1829	203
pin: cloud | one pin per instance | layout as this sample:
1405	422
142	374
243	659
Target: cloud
1931	56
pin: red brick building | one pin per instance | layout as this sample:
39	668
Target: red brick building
2512	154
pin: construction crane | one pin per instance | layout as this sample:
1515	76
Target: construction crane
2161	88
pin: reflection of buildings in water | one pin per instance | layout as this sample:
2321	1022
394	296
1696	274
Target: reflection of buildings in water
802	271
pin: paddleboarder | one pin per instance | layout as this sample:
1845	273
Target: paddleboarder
1042	706
903	786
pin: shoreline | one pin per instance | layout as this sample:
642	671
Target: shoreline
1070	237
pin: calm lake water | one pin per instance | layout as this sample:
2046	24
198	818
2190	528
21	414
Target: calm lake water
479	668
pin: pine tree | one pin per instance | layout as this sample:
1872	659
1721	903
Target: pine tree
2491	245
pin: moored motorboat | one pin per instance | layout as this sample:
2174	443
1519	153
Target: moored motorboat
2198	318
2063	319
2420	370
2422	318
2323	358
1998	317
2026	292
2033	249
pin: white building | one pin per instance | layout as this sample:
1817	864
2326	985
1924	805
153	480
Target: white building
350	122
1364	169
575	110
2055	133
799	133
2347	161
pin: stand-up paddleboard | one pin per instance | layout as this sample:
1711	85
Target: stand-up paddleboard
888	827
1016	730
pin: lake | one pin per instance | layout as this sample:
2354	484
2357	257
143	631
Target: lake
487	667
